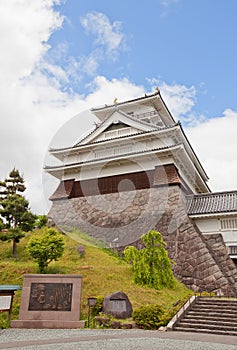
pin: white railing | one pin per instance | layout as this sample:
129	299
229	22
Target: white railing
229	224
115	133
152	117
180	313
111	152
146	114
232	250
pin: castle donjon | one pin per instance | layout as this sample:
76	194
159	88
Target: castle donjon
137	171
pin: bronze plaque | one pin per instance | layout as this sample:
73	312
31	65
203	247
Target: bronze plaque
50	297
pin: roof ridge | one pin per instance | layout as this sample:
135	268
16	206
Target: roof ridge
109	116
123	102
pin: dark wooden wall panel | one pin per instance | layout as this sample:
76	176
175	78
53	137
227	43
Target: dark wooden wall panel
162	175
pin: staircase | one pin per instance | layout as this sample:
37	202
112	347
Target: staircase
210	315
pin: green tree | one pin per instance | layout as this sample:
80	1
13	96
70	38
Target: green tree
14	209
151	265
46	247
2	226
14	183
14	235
41	221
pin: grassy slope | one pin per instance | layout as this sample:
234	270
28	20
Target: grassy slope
102	274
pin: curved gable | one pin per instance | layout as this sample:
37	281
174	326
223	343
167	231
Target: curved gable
117	124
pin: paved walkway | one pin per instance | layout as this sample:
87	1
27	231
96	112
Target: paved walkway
52	339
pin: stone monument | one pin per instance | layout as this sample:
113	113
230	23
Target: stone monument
50	301
117	305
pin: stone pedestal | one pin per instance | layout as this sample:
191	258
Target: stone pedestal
50	301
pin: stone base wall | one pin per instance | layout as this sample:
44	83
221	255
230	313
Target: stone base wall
198	265
119	219
219	250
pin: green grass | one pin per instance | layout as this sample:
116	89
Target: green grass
102	273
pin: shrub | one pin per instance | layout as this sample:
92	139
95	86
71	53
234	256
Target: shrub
99	304
41	221
149	316
46	247
153	316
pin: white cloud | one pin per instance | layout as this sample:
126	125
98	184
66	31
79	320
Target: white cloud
109	40
105	91
33	105
215	143
108	35
55	71
166	4
84	65
25	27
180	100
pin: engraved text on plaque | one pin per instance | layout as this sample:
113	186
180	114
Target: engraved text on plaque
50	297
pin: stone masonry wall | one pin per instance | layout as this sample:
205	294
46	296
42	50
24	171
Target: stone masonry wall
119	219
219	250
197	264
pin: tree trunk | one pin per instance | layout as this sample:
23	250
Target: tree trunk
14	248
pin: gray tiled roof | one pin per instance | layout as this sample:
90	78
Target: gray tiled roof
212	203
125	102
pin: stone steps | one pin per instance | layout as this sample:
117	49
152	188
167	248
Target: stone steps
216	301
204	330
210	315
208	325
213	314
218	306
209	321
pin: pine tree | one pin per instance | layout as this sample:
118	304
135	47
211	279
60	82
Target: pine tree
14	184
14	209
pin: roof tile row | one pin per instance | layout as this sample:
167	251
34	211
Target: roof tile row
212	203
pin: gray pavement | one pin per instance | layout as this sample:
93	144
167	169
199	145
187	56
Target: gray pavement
70	339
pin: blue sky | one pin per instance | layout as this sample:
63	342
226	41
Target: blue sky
190	42
62	57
